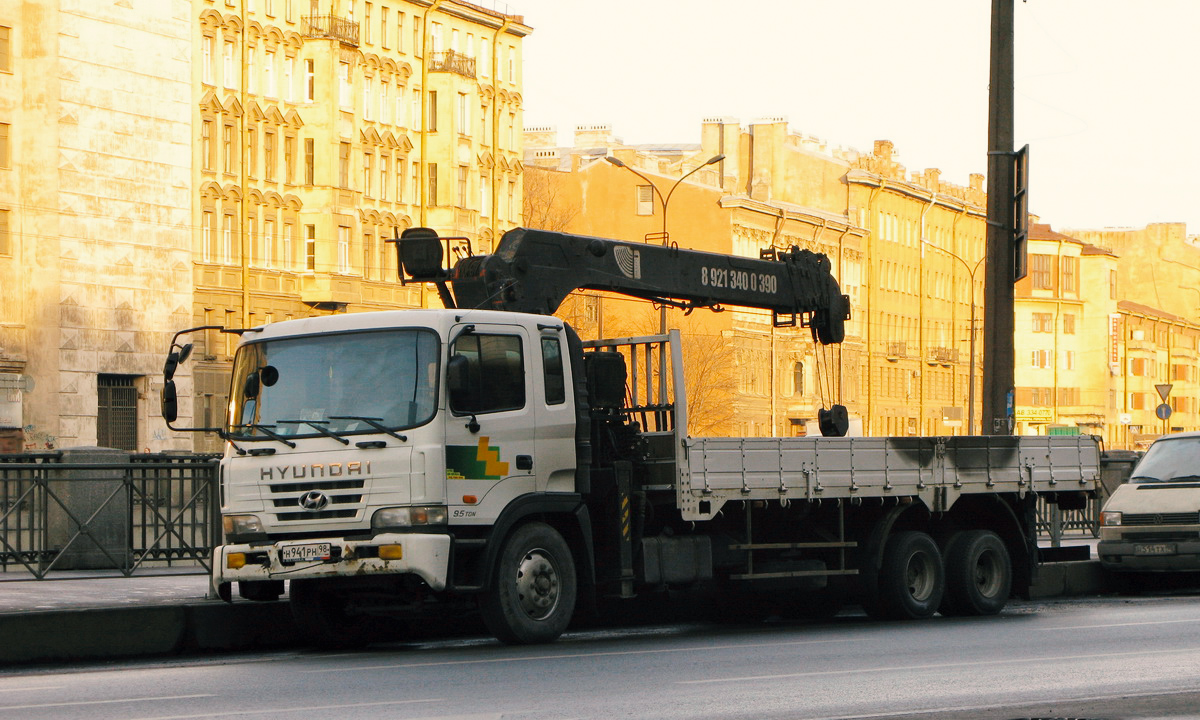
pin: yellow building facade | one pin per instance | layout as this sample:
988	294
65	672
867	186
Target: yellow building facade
171	164
894	240
325	129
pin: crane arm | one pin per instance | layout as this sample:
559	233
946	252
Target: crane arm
535	270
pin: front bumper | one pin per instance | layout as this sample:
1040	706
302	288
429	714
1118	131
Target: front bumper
424	555
1120	555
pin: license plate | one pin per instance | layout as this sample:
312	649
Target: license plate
304	553
1154	549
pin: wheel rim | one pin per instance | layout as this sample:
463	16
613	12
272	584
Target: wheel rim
920	577
987	574
537	584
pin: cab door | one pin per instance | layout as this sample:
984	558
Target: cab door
491	419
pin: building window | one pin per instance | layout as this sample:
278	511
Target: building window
344	97
399	32
344	165
116	412
228	76
310	81
431	199
286	259
368	249
797	379
464	115
289	159
416	180
343	255
206	228
5	49
251	152
383	102
1042	359
1070	271
415	109
227	153
251	70
400	179
1041	271
1112	284
1043	323
5	234
206	144
512	200
268	239
383	27
269	88
485	196
462	186
1068	324
368	102
645	199
310	152
289	75
367	25
368	171
227	240
433	111
206	53
383	177
310	248
269	155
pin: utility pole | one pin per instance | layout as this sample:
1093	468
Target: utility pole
998	323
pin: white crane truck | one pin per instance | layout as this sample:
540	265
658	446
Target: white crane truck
483	457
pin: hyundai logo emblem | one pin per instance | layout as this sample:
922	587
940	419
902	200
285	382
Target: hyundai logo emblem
314	500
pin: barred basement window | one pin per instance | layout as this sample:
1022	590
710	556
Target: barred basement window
116	412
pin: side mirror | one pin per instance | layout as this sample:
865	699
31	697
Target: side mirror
174	359
251	388
170	403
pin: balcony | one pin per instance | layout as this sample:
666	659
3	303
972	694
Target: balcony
896	350
331	27
942	356
453	62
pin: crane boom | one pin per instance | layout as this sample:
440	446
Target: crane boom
535	270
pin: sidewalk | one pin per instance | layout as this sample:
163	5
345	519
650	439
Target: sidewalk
74	618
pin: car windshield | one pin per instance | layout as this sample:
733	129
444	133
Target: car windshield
1170	460
344	383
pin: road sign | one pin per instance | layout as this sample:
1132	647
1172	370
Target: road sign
1164	389
1163	411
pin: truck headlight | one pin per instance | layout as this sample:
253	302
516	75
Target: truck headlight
403	517
1110	517
236	525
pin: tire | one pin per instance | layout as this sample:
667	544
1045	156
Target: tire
911	581
532	593
323	618
978	574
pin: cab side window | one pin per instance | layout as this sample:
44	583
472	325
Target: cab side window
486	374
552	369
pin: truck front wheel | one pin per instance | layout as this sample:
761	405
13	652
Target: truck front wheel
978	574
911	578
532	594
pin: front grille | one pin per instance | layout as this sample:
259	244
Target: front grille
1175	518
1168	536
287	496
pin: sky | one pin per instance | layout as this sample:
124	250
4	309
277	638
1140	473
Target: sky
1106	91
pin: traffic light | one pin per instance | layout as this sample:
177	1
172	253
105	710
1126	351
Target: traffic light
1020	205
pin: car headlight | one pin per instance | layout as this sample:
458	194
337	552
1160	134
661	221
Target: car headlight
241	524
403	517
1110	517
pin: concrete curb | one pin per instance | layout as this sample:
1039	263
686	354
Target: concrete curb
110	633
209	626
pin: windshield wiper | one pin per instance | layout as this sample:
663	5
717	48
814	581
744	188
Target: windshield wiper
266	430
376	423
317	425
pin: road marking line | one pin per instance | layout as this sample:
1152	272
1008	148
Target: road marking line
567	656
32	689
1191	621
261	711
101	702
935	666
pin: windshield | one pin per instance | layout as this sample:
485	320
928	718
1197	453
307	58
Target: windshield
1176	460
343	383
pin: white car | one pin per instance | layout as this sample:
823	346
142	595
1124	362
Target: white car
1152	522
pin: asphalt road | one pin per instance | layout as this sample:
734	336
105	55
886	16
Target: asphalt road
1108	658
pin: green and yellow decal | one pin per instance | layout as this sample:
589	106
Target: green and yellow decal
475	462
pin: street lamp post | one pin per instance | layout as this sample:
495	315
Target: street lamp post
971	378
663	200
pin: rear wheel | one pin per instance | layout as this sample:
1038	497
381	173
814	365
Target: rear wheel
911	580
532	594
978	574
324	617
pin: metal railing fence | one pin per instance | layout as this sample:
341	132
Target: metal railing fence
133	514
